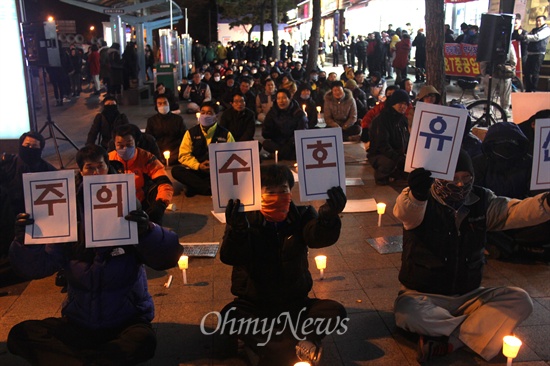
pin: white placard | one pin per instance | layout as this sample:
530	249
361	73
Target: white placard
321	164
540	173
527	104
50	199
107	199
364	205
435	141
235	173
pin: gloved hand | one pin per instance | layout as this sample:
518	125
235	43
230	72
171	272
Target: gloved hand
156	211
237	220
420	183
335	204
21	222
139	216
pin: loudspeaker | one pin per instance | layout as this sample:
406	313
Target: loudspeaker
41	45
507	6
495	34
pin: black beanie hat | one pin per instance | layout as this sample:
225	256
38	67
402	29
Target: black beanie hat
398	96
464	163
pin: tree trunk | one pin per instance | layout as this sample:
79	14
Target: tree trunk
314	37
275	29
435	43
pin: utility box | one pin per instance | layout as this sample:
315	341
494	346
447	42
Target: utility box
166	74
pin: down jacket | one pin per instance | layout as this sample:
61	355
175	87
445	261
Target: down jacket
340	113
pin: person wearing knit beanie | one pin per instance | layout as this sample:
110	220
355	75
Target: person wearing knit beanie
398	96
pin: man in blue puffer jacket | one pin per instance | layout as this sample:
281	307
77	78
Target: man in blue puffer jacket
106	317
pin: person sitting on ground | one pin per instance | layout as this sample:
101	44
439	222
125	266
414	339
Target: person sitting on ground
265	99
169	93
288	83
373	113
407	85
229	89
426	94
285	117
268	250
245	87
153	187
444	228
377	86
167	128
105	122
303	97
194	171
389	139
359	96
12	167
197	92
106	318
341	111
239	119
144	141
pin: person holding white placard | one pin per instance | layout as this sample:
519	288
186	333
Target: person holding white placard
268	250
444	232
106	318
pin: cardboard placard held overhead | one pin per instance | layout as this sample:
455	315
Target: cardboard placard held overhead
107	200
235	173
321	165
435	140
50	199
540	173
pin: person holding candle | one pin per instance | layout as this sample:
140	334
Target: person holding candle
106	318
194	171
303	97
444	233
268	250
167	128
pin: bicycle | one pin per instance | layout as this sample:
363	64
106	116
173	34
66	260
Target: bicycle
483	112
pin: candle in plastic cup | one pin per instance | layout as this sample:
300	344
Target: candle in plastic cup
318	109
302	363
511	346
321	261
304	108
381	208
198	115
166	156
276	156
183	262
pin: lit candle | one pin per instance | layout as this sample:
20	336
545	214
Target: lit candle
318	109
510	348
304	108
302	363
183	263
166	156
276	156
179	87
321	263
381	209
198	115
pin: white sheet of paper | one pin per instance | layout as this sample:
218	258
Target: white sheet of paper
107	199
540	173
364	205
50	199
235	173
354	182
219	215
435	140
527	104
321	164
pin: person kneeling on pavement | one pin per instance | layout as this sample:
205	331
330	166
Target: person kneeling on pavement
106	318
389	139
268	250
444	229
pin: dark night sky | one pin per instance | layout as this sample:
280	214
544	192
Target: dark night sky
39	10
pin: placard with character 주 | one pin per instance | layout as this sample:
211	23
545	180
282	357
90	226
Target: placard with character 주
50	199
235	173
321	165
107	200
436	137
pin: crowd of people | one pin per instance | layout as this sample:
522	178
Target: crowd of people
484	206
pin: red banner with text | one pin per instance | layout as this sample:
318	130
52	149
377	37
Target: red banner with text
460	59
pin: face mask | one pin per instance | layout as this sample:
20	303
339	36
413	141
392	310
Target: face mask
507	150
216	78
304	97
206	120
450	193
164	109
275	206
315	78
127	153
30	156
